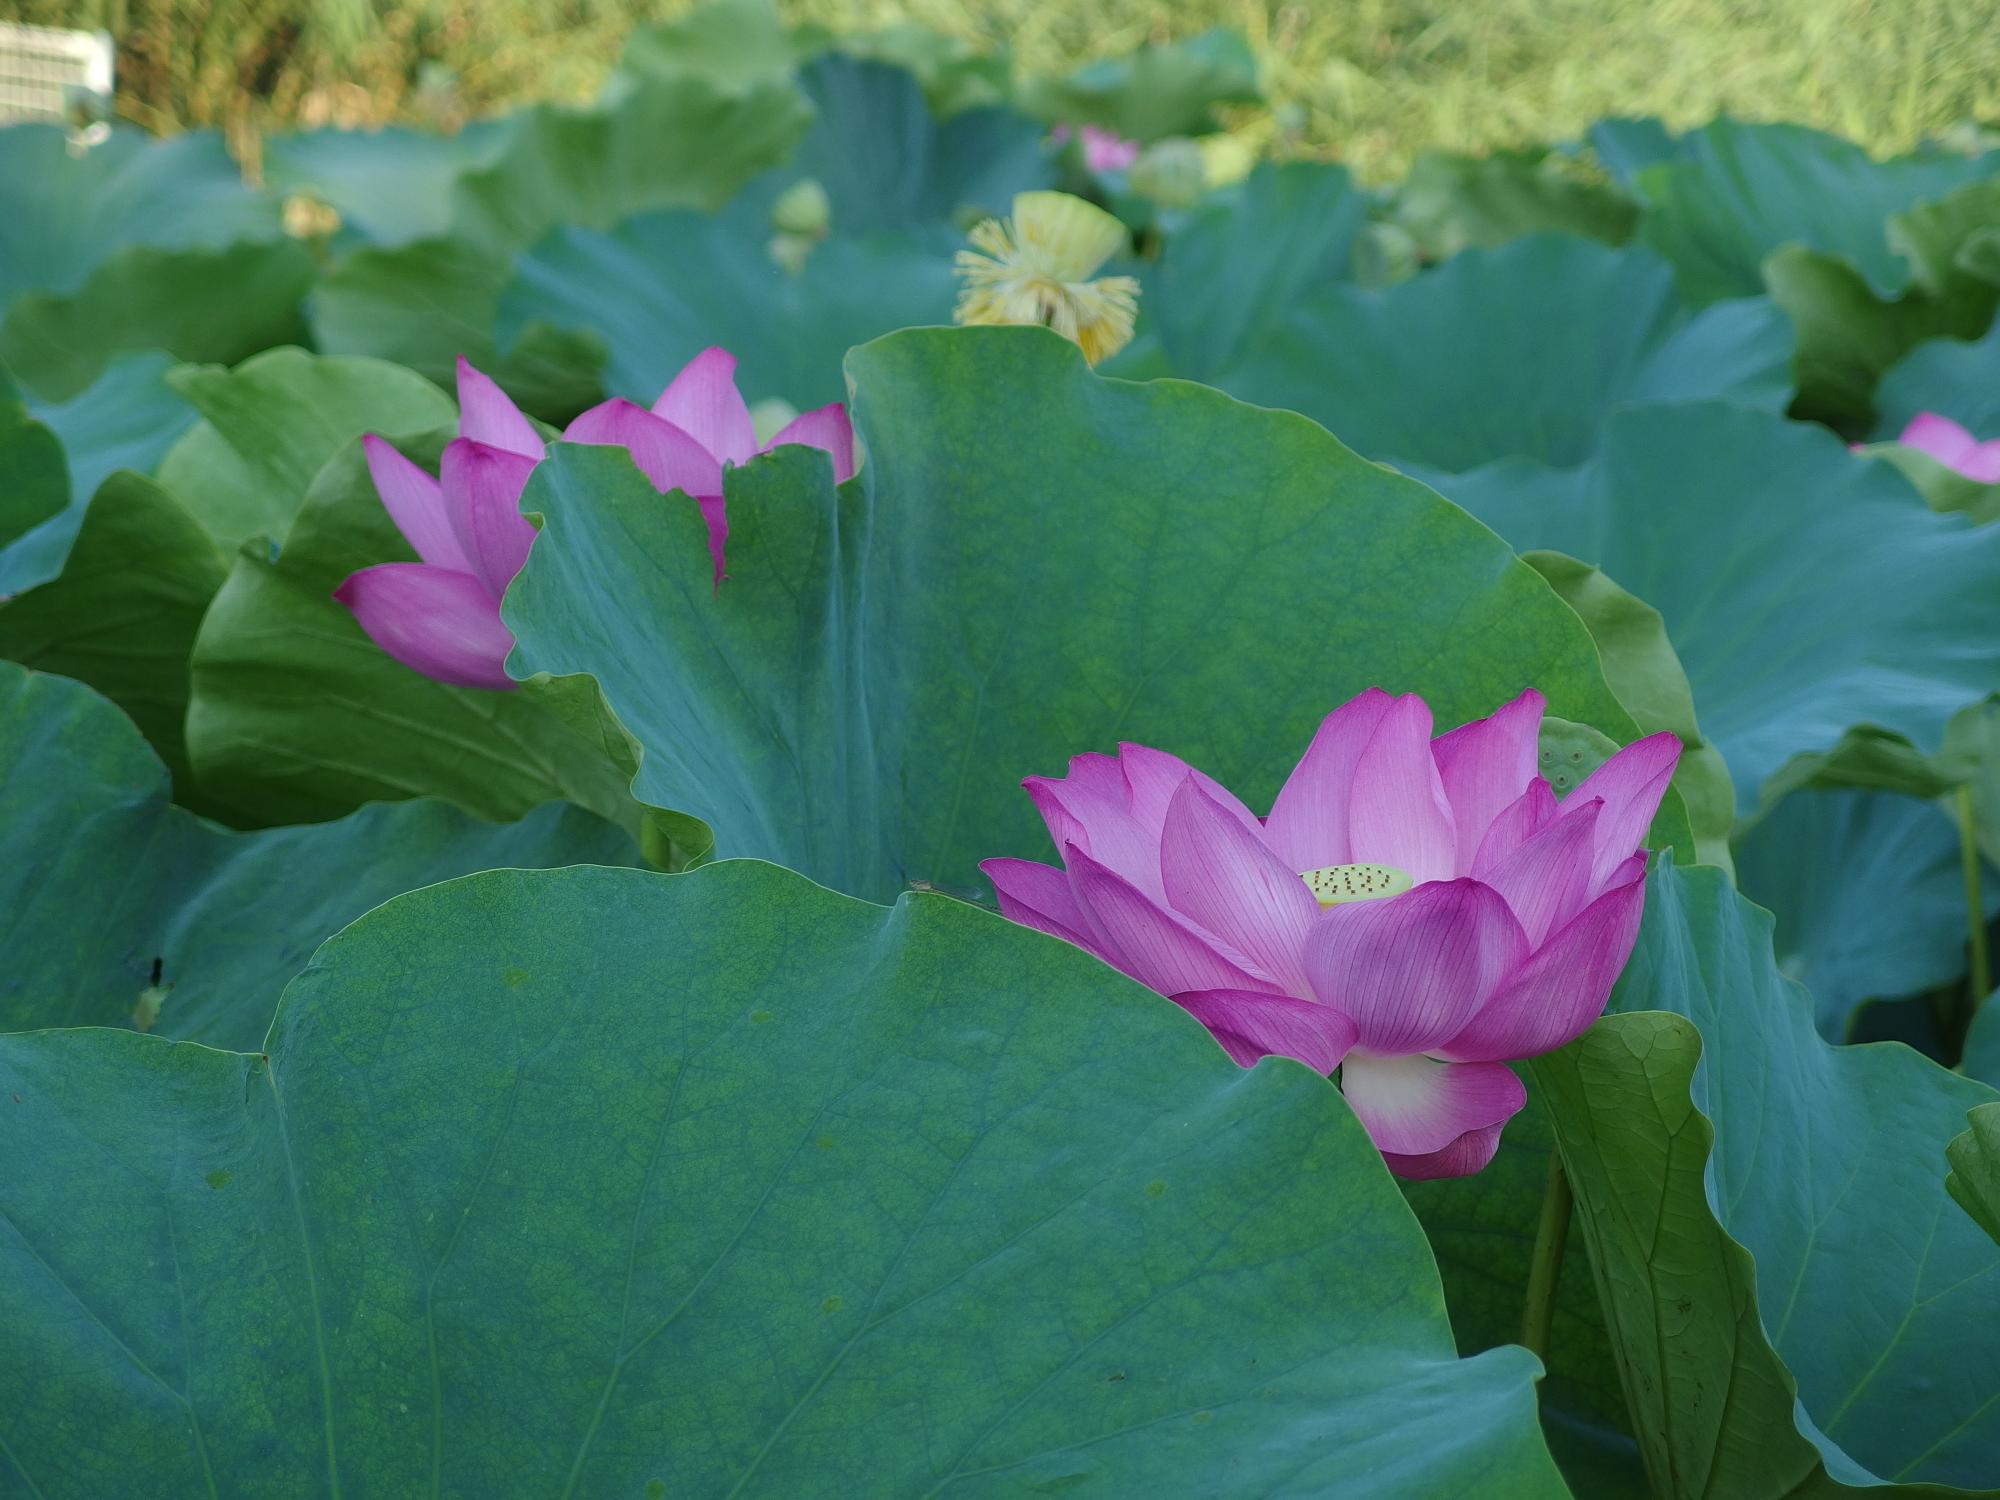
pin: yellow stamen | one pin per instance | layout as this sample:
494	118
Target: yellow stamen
1035	268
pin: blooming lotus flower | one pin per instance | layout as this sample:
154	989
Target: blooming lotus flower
1103	150
1414	913
1954	447
1036	269
441	616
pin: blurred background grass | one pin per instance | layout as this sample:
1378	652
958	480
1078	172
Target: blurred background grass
1368	82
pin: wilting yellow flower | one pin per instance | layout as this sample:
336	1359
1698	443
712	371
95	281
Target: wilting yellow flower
1036	269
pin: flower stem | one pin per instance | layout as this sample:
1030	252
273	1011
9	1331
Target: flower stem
1980	966
1546	1267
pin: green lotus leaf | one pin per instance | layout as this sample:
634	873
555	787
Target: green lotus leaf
1734	192
658	145
425	304
34	478
1848	336
1232	274
123	910
1950	239
1951	377
269	426
1482	1229
731	44
1523	350
389	186
126	420
1160	89
1981	1058
955	77
134	245
202	305
788	333
1787	571
68	211
122	614
1974	1178
1626	147
1034	562
1799	1307
1451	202
889	166
1868	895
595	1180
55	455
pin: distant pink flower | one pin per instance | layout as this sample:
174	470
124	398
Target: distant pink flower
1103	150
1413	912
699	425
441	616
1954	447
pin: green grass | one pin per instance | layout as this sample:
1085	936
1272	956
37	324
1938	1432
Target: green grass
1369	82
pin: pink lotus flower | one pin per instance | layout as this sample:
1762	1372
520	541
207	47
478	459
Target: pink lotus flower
1414	912
1103	150
1954	447
699	425
441	616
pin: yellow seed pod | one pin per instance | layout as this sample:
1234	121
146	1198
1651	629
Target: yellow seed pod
1336	885
1033	268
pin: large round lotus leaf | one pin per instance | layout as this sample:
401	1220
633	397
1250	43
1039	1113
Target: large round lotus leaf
388	186
1516	351
1159	89
1800	1306
888	165
733	44
651	146
34	477
122	910
596	1182
1733	193
270	425
789	333
1035	562
205	305
1234	272
427	304
1848	336
127	420
1452	202
1868	894
1626	147
123	613
63	213
1806	590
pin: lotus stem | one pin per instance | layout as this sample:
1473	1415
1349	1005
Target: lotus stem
1980	966
1545	1270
